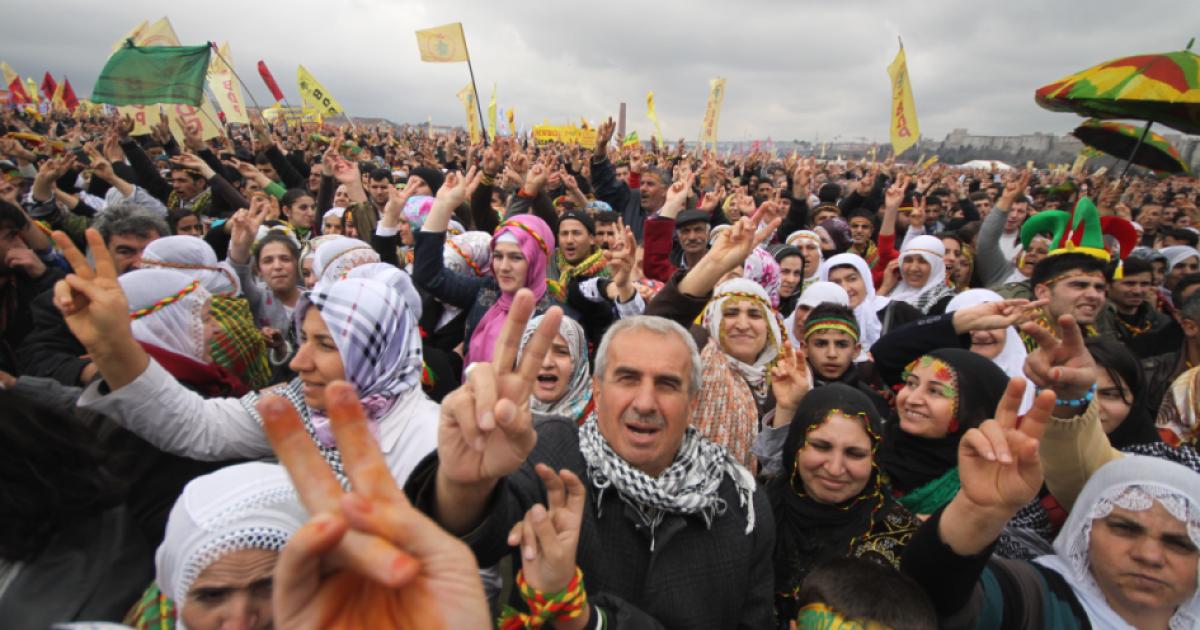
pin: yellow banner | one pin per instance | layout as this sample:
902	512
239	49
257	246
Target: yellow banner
314	94
905	130
225	88
132	34
653	116
492	115
712	113
57	101
467	96
204	118
443	43
292	115
566	134
31	88
930	162
161	33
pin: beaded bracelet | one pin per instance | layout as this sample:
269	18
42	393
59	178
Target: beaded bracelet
1078	402
568	603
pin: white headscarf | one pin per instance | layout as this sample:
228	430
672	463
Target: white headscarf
817	293
579	391
932	250
756	373
867	311
333	259
394	277
1132	483
246	506
168	310
195	258
794	239
1178	253
1012	358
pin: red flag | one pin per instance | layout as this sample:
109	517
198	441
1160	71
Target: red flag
68	96
49	86
16	92
270	81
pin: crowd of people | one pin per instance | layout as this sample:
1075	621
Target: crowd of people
374	377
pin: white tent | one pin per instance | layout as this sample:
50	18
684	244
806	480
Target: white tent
988	164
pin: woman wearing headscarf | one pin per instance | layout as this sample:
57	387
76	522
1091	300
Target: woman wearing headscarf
762	269
791	264
835	236
468	254
1002	345
921	280
817	293
334	258
521	248
357	330
876	314
831	499
213	570
809	244
564	382
1181	260
237	344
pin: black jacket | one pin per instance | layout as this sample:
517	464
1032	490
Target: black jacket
51	349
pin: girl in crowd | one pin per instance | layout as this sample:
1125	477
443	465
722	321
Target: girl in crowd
919	279
816	293
809	244
564	382
299	207
831	499
274	257
521	249
876	314
829	338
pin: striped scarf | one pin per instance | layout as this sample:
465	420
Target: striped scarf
238	345
690	485
195	204
593	265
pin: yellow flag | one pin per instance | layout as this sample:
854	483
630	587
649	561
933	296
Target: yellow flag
31	88
443	43
468	97
905	130
492	115
132	34
315	95
930	162
1077	166
712	114
225	87
56	101
203	118
653	116
160	33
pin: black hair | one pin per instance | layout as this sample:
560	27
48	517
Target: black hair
863	591
277	236
1189	237
126	217
193	174
177	215
261	158
831	309
1132	266
292	196
381	174
1182	286
1115	358
606	217
1054	266
12	217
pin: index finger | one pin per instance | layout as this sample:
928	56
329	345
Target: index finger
75	258
539	345
105	267
361	457
1072	336
319	490
504	354
1010	403
1034	423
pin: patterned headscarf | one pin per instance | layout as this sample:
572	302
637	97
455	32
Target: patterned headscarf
762	268
394	277
924	297
377	337
1178	419
536	242
575	400
245	506
416	209
168	310
195	258
335	258
469	253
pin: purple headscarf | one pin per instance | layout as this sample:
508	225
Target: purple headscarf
761	267
536	243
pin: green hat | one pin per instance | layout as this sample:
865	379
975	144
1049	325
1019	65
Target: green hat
1080	231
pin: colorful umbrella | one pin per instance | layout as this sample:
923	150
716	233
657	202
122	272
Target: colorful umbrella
1163	88
1122	141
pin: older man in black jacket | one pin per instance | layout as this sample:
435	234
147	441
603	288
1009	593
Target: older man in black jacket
674	534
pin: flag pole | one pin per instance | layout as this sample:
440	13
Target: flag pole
233	71
475	89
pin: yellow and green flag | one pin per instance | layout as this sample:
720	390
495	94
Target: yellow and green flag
443	43
904	128
712	113
137	75
653	116
492	115
315	95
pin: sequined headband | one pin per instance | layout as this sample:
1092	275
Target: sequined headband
839	324
528	230
165	302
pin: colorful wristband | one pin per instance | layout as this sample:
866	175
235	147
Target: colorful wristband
568	603
1078	402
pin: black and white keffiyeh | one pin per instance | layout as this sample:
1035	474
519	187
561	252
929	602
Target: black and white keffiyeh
690	485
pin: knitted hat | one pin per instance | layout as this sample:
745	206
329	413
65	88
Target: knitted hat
582	217
1080	231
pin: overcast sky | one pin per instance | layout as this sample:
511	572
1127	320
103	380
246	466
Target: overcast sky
796	69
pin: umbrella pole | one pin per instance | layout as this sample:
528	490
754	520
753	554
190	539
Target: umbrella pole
1145	132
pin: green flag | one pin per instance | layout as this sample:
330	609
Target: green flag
137	75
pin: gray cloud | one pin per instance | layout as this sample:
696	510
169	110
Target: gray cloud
795	69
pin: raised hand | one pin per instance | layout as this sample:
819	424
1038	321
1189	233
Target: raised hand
243	228
603	137
620	260
536	179
734	245
367	559
486	428
790	382
1013	190
1065	366
346	172
998	463
549	534
193	162
995	315
895	193
91	299
677	195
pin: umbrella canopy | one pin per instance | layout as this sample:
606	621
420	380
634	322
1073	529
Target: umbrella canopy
989	164
1120	140
1163	88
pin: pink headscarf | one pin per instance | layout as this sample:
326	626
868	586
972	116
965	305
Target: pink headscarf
536	243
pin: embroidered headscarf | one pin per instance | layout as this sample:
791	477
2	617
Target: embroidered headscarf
727	409
332	260
1178	418
240	507
867	311
536	242
575	400
168	310
762	268
924	297
469	253
195	258
1134	483
1012	358
376	335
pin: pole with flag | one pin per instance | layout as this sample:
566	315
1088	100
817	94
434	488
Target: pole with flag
448	44
653	116
904	128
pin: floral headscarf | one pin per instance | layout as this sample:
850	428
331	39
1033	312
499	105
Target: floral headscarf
762	268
